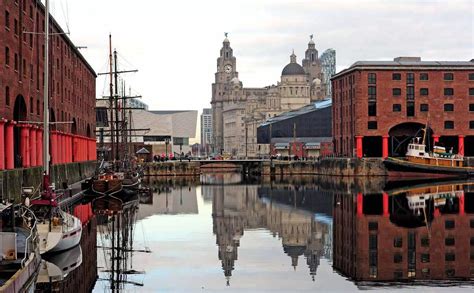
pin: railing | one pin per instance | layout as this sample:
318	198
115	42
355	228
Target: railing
31	240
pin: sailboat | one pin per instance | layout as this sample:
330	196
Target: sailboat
57	229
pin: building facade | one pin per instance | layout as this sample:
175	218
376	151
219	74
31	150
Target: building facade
328	65
237	111
304	132
378	106
206	131
71	90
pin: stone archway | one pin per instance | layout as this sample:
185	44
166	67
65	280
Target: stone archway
20	113
401	134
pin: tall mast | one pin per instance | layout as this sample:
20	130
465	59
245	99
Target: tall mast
116	106
46	94
111	100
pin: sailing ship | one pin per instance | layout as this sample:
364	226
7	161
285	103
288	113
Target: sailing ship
19	249
57	229
419	162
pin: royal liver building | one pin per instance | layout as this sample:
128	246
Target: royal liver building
237	111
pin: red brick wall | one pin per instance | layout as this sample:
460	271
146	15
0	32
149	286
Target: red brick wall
72	80
348	124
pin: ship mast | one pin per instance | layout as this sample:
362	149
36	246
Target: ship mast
46	156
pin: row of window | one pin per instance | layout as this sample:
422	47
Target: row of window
425	108
425	242
425	257
410	77
396	92
448	124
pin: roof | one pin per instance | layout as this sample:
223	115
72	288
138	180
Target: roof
409	63
315	106
293	69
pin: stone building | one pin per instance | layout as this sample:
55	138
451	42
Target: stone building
237	111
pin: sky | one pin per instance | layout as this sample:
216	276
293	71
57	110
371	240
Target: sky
175	44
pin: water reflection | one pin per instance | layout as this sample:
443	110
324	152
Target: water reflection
422	233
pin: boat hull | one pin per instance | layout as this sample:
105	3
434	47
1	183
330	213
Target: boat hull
398	168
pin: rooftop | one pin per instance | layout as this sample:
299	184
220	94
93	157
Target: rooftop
318	105
407	62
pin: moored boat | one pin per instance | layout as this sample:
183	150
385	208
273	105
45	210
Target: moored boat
420	162
19	249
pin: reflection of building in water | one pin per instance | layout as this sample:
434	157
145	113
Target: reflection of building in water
240	207
181	200
381	237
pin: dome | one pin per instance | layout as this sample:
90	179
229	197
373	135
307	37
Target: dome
293	69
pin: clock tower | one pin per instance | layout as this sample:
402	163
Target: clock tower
226	70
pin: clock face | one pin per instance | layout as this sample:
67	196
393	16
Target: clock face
228	68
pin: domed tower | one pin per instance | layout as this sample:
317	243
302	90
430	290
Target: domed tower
226	70
313	69
294	89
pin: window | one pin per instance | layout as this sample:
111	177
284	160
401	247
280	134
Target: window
448	107
372	78
372	241
37	107
471	107
448	76
449	241
471	76
7	19
31	104
397	242
396	76
471	223
425	241
448	125
397	258
410	93
372	109
423	76
471	126
410	109
425	257
448	91
15	27
471	241
372	92
449	256
7	96
449	224
396	92
7	56
16	62
397	275
423	92
397	108
410	78
424	107
372	125
471	91
373	226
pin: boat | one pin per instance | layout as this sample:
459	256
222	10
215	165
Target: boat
19	248
57	229
419	162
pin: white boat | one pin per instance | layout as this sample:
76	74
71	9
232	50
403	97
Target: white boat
19	249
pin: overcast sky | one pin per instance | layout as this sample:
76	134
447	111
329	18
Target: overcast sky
174	44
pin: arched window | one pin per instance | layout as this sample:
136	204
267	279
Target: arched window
7	56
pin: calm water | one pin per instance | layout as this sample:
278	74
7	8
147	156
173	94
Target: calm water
301	235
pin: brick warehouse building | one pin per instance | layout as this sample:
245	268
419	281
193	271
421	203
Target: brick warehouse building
72	90
379	105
